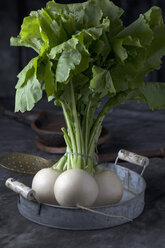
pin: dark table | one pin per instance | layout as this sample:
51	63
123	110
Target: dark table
133	127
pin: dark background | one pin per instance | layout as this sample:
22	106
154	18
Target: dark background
13	59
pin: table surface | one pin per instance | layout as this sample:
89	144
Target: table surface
133	127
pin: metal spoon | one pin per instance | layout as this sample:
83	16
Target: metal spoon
25	163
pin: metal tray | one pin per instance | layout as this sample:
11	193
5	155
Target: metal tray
72	218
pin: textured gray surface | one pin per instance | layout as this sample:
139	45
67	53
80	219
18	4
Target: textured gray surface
133	126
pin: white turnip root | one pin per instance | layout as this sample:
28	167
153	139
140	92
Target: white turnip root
75	187
110	188
43	185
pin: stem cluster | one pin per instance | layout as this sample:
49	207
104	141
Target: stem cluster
82	132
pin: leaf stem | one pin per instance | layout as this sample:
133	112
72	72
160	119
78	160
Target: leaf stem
70	130
77	126
118	98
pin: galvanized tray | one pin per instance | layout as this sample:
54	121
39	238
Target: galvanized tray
72	218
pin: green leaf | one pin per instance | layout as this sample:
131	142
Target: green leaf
153	93
49	79
132	42
119	50
155	52
30	28
85	59
154	17
126	75
139	29
144	43
101	47
30	33
79	81
102	82
69	44
67	63
51	31
28	94
86	36
34	43
83	15
113	12
15	41
24	75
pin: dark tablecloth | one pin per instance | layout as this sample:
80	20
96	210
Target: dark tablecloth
133	127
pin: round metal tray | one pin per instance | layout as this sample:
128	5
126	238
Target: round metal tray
72	218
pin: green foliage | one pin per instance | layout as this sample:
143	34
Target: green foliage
84	54
90	38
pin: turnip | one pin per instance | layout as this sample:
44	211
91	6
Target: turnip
85	54
43	185
75	187
110	188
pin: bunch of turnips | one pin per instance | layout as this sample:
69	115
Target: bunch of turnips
77	187
85	53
